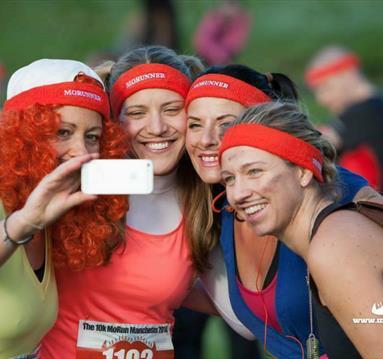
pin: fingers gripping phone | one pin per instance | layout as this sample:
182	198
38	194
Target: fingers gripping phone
117	177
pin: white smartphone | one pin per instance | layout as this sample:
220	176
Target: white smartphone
117	177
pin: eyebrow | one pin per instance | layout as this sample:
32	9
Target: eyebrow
94	128
219	118
127	108
249	164
173	102
75	126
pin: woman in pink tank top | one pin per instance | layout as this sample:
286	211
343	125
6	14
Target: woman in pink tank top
125	308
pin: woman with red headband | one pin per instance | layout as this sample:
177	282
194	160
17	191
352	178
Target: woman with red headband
279	176
127	306
266	298
56	118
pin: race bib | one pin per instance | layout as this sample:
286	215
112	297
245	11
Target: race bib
98	340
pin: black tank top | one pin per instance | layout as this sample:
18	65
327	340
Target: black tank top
334	340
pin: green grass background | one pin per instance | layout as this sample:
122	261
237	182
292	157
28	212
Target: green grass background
284	35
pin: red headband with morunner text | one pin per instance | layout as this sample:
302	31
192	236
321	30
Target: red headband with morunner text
316	75
70	93
228	87
276	142
147	76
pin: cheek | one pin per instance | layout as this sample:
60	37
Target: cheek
94	148
190	141
180	125
60	148
132	128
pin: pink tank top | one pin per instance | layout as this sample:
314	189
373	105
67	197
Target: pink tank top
260	301
144	282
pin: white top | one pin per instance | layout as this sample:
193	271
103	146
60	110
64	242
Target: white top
158	212
215	284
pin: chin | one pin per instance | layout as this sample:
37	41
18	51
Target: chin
261	231
160	169
211	179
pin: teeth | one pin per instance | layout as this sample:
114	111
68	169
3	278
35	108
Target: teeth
210	158
254	209
157	145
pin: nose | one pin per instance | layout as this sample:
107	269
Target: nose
77	147
239	192
209	138
156	125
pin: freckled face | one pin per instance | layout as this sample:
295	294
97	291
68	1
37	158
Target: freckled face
155	120
207	117
261	187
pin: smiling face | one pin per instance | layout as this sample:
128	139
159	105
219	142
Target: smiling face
263	188
155	120
207	117
79	133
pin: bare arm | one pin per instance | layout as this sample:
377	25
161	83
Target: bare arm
199	301
346	262
54	195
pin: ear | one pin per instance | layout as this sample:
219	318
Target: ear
305	177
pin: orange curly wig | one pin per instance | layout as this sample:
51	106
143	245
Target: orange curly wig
86	235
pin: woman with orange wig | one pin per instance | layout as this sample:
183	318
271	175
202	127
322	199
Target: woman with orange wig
125	309
56	118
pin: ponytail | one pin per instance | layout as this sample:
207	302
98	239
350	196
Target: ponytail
104	71
283	88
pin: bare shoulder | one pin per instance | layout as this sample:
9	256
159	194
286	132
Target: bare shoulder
343	237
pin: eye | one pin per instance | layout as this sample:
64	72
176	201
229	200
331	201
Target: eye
254	171
93	138
135	114
192	125
225	125
172	110
63	133
228	180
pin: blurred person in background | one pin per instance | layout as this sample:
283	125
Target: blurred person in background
154	23
222	33
48	129
336	79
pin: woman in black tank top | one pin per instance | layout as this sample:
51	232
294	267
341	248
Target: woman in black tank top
279	174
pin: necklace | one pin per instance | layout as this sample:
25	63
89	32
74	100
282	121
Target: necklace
312	342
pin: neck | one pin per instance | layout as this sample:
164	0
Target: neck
297	234
362	92
358	91
164	183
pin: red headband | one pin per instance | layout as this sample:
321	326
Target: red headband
70	93
317	74
147	76
228	87
276	142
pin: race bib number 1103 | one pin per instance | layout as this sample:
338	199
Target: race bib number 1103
98	340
